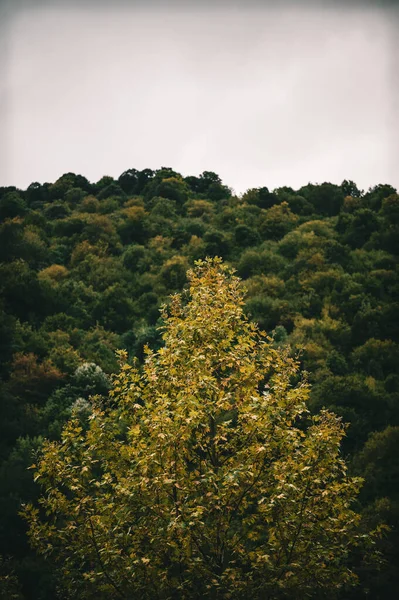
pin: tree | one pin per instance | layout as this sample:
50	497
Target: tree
380	498
66	182
128	181
203	476
12	205
326	198
261	197
57	210
277	221
363	223
376	194
349	188
173	272
246	236
210	184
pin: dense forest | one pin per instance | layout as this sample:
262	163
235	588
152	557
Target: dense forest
86	267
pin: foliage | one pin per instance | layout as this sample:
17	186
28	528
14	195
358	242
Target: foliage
85	266
204	475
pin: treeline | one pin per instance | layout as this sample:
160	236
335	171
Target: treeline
85	268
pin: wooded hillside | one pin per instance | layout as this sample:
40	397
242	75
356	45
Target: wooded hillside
86	266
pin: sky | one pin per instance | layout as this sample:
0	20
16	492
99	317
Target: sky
264	94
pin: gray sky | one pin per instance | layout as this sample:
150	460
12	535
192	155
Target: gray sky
263	96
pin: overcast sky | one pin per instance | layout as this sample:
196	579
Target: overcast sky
262	96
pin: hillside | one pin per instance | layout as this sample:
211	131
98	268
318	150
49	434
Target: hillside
86	266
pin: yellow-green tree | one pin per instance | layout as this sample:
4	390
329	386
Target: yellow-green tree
204	475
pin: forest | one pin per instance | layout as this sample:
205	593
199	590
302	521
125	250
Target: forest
86	267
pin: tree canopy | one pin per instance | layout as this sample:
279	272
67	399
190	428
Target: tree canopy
203	474
85	266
